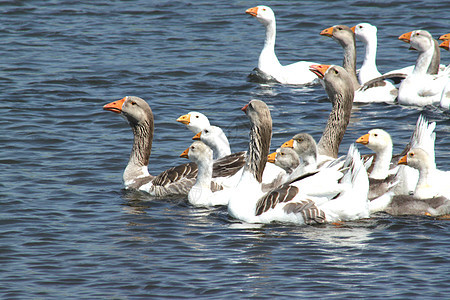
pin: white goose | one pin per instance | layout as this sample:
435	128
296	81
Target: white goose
384	171
375	90
296	73
194	121
420	88
174	181
432	181
215	138
431	196
201	193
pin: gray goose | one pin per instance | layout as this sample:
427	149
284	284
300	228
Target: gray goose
177	180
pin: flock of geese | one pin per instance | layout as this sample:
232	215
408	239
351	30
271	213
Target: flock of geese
304	182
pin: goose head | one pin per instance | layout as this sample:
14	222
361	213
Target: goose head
417	158
340	33
364	32
211	136
420	40
194	121
262	13
338	83
198	152
134	109
285	158
304	145
376	140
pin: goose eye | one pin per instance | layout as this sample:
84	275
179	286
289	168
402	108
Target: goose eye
206	131
300	140
336	71
197	117
411	154
133	103
264	9
375	134
360	26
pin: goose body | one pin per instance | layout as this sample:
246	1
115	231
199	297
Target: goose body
201	193
268	64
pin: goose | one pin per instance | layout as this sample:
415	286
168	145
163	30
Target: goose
250	204
285	158
432	181
304	145
194	121
367	34
384	173
434	56
268	64
374	90
431	195
174	181
340	91
201	193
215	138
420	88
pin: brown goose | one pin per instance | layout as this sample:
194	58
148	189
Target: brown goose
338	85
174	181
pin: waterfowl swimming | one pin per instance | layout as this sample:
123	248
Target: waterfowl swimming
420	88
174	181
374	90
268	64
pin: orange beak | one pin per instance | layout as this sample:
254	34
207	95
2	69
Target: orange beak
353	28
319	70
406	37
403	160
197	136
445	37
445	45
185	153
185	119
252	11
288	144
115	106
271	157
363	139
244	109
327	32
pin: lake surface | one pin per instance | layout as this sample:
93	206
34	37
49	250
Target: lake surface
69	230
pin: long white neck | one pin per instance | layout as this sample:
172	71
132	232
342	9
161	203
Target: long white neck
425	183
267	59
220	147
369	68
423	61
381	166
204	176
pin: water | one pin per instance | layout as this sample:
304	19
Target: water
68	230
